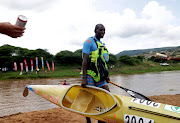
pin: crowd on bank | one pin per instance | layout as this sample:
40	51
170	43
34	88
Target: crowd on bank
4	69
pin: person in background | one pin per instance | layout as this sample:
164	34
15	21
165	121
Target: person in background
11	30
92	49
37	70
64	82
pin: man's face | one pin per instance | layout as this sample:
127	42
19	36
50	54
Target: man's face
100	31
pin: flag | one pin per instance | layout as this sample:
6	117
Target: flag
37	63
48	66
21	64
26	66
52	65
15	66
31	64
42	62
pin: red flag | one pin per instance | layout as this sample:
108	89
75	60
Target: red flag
52	65
48	66
21	64
31	64
15	66
26	65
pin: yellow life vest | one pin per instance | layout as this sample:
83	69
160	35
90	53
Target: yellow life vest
97	67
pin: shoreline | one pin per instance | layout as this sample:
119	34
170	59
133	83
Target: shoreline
73	72
61	115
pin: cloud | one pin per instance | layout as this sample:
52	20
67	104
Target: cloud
153	28
65	24
33	5
157	14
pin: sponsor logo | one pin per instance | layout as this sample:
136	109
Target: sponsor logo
110	120
172	108
99	109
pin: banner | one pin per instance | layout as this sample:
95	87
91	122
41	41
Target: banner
21	64
37	63
52	65
15	66
26	66
31	64
42	62
48	66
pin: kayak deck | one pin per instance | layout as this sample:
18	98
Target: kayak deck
88	100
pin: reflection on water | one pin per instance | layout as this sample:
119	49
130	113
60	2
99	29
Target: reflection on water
149	84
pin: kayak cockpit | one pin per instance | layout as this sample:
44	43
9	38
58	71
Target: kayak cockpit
91	101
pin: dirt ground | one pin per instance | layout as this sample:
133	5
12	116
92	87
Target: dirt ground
60	115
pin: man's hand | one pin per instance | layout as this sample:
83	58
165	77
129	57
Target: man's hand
11	30
83	83
108	79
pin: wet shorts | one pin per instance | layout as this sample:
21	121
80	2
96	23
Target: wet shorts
91	82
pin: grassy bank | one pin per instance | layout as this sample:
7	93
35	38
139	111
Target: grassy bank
72	71
68	71
144	68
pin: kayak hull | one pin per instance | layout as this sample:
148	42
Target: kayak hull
100	104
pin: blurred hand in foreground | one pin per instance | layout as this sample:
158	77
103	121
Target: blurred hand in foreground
11	30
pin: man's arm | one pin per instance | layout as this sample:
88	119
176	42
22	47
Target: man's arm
11	30
84	66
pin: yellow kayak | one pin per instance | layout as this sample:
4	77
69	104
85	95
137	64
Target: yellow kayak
102	105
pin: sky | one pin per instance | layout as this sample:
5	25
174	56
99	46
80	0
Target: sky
58	25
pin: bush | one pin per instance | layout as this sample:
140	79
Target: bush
127	60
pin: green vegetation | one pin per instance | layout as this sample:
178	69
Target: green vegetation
148	51
68	64
73	71
60	72
144	68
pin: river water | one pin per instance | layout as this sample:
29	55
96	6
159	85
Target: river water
149	84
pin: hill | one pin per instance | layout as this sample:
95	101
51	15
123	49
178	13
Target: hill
175	51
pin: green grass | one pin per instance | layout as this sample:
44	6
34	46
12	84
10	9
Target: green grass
60	72
72	71
144	68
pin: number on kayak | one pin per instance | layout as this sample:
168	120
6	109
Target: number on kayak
136	119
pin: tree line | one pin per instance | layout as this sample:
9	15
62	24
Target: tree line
10	54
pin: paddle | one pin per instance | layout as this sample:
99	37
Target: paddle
131	93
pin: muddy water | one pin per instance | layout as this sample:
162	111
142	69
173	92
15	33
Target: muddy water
149	84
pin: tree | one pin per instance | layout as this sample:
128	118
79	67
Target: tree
6	56
69	58
126	60
10	54
112	59
78	57
64	57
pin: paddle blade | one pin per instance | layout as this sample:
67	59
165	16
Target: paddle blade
137	95
25	93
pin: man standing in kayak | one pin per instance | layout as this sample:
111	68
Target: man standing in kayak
95	56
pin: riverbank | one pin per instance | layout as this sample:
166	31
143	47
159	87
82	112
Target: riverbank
73	71
60	115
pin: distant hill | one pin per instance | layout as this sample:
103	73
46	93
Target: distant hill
147	51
